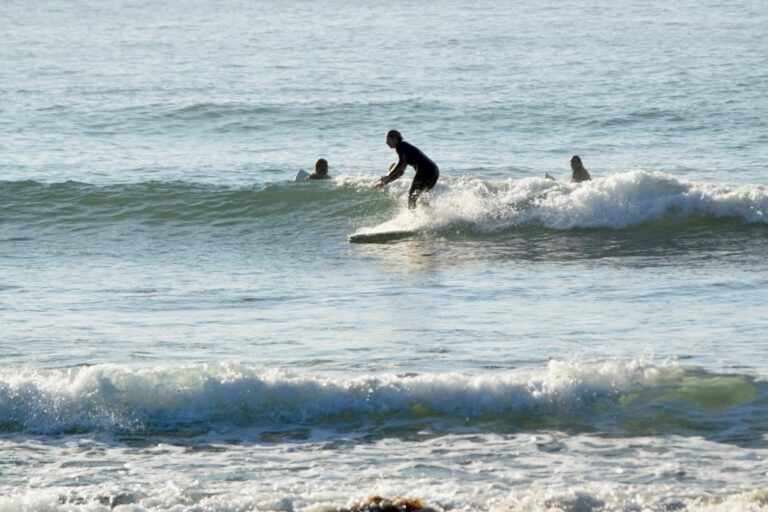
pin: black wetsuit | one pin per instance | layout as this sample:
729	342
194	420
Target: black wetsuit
426	170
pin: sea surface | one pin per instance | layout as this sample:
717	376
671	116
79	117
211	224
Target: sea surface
184	328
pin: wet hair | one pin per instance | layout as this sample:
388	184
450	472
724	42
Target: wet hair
321	164
577	159
395	134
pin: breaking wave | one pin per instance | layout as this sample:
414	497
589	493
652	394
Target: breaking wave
618	398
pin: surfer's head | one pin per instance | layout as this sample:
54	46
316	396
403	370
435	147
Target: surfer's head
321	167
393	138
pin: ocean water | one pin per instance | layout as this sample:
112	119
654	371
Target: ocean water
184	328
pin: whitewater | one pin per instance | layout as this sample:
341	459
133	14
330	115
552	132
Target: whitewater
520	390
184	328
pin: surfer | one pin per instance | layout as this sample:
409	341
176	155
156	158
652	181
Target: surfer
321	170
427	172
579	172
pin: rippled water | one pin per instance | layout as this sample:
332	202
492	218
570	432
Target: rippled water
186	328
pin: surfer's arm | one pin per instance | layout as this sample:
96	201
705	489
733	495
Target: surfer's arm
395	171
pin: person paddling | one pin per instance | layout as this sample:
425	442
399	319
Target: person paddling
427	171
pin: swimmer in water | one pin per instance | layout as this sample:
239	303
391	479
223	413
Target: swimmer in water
321	170
579	172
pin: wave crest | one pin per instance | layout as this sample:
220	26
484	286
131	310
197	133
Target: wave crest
617	201
616	395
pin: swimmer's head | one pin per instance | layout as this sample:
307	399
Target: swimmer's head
321	167
576	162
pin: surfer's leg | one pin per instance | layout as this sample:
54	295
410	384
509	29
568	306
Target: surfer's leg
432	181
413	195
421	182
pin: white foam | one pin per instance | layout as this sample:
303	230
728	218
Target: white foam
113	397
475	486
596	497
614	201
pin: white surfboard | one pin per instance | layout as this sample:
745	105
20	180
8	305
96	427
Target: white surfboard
380	237
301	176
